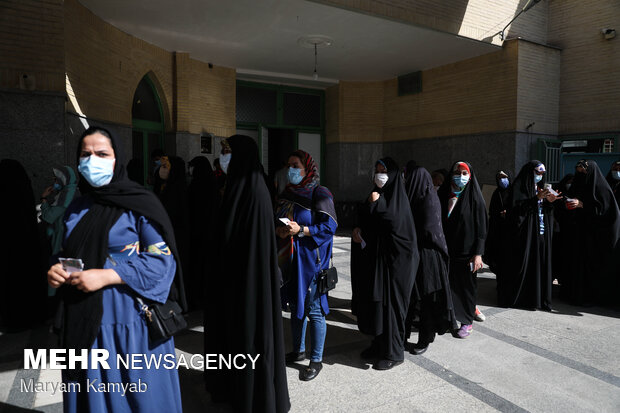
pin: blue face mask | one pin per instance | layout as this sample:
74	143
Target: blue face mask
460	181
57	186
157	162
538	178
616	175
97	171
225	161
503	183
294	176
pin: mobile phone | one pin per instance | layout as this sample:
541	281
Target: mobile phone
551	190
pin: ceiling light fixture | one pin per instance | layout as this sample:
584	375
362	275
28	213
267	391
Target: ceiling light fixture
315	41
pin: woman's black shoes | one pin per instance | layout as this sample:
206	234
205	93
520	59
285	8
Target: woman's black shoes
311	371
294	356
386	364
418	348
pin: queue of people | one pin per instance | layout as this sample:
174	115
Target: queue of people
417	248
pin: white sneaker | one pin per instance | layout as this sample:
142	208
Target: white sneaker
479	316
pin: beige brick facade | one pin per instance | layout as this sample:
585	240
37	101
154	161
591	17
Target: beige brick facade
477	95
105	65
590	73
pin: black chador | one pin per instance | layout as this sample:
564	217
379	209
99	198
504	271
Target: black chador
383	272
203	205
242	308
431	295
495	248
595	258
531	231
464	219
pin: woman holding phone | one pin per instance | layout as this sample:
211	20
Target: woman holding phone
530	221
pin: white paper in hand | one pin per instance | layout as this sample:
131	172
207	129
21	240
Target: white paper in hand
71	264
286	221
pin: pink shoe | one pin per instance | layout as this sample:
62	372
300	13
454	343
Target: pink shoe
464	331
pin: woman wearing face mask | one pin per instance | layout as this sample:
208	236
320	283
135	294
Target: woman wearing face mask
495	245
384	262
243	309
431	293
123	236
305	248
595	259
465	226
613	179
530	218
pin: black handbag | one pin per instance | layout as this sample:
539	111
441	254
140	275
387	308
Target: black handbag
163	320
326	279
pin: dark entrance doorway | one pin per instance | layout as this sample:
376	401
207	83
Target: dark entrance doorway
281	143
148	129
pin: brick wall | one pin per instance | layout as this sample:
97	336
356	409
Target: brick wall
104	66
590	73
361	111
477	95
212	99
32	43
538	88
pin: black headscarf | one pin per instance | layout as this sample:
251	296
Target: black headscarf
89	241
466	227
247	273
425	208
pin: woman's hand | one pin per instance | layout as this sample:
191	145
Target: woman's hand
553	198
93	280
357	235
57	276
574	203
477	261
374	196
542	194
293	228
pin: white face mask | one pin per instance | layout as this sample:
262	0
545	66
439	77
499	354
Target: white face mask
97	171
225	161
381	179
